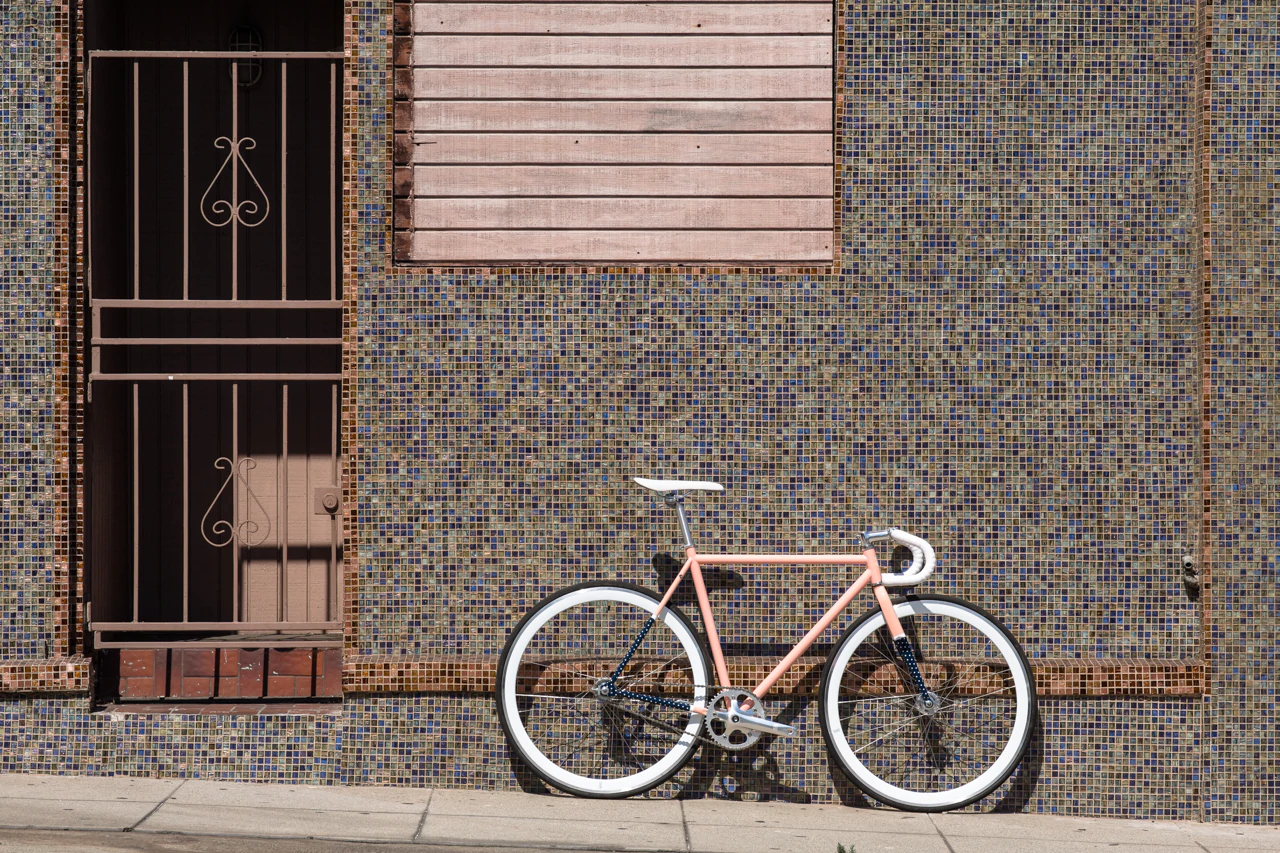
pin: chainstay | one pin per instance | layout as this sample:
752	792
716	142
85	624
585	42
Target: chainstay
673	704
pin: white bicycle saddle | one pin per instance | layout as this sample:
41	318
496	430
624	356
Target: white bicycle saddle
664	487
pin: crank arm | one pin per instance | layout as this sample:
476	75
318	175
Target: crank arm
736	718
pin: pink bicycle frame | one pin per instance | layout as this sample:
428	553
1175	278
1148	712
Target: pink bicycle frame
694	562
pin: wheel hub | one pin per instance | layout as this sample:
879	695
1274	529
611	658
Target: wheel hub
928	703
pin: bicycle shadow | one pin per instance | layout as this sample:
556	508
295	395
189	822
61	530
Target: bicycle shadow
1016	794
1022	785
756	774
755	771
717	579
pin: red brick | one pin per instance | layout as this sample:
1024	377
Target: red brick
137	662
228	662
227	687
138	688
402	180
250	684
251	674
329	673
195	662
403	46
403	18
404	243
195	688
297	662
282	687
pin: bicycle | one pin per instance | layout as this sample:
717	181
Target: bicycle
926	703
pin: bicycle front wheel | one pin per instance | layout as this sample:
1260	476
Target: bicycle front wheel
900	751
555	702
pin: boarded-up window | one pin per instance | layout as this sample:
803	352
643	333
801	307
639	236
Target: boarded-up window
614	132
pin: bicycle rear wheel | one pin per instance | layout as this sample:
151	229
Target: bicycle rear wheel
557	713
906	755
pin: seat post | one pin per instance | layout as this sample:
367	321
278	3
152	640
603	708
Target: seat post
676	501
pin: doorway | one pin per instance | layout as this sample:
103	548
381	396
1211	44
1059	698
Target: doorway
213	503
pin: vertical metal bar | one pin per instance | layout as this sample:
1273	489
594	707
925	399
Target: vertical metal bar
135	502
88	198
307	490
137	199
235	502
186	179
284	500
284	180
333	181
235	179
334	527
186	498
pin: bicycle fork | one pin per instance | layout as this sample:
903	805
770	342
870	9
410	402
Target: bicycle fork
927	701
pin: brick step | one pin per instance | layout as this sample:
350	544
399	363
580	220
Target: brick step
150	674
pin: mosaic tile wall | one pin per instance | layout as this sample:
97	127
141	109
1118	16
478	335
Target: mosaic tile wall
456	742
1007	363
1244	413
31	192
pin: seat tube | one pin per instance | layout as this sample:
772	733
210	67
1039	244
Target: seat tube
684	522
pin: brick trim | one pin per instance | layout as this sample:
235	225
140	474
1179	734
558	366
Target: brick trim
45	675
402	112
1055	677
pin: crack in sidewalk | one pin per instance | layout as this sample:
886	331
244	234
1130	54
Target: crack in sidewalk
423	822
941	834
148	815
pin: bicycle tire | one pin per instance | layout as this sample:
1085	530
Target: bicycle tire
881	704
534	672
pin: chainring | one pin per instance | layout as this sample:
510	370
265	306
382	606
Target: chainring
723	733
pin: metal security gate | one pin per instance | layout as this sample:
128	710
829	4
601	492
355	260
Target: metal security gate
214	505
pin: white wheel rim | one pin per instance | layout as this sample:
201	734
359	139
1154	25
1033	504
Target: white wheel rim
1003	762
637	781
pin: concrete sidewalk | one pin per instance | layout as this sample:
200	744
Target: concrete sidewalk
537	822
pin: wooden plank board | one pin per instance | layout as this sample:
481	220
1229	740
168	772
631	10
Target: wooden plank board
649	2
622	18
765	181
636	148
677	131
633	213
623	246
623	115
622	51
623	83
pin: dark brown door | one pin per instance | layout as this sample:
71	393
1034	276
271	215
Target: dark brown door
213	508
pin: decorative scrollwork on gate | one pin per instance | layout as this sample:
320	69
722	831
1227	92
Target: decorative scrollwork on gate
235	209
245	530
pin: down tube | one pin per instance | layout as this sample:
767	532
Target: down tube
816	631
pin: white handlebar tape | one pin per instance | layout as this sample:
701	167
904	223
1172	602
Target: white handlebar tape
923	560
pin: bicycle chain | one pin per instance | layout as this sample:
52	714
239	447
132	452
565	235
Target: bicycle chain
668	726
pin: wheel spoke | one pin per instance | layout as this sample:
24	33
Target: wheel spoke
887	734
624	679
911	753
570	732
966	702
